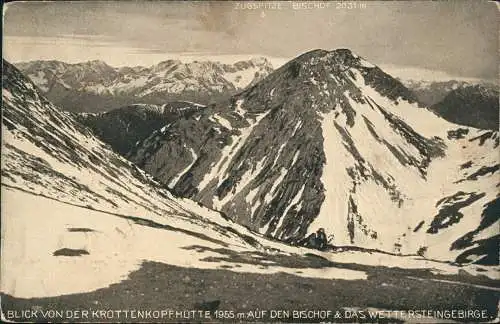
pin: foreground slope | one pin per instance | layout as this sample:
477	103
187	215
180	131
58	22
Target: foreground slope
330	140
83	229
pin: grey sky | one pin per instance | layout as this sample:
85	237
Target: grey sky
457	37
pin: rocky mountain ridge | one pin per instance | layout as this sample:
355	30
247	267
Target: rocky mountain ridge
122	128
472	105
330	140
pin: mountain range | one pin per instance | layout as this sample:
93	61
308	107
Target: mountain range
431	92
95	86
467	103
304	148
328	140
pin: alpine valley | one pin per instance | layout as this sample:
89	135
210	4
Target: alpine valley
170	201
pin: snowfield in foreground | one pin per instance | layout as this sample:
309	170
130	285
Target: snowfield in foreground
111	246
54	248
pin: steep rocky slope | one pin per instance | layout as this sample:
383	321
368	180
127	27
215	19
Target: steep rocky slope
330	140
122	128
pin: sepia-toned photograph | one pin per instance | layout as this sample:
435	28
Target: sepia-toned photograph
250	162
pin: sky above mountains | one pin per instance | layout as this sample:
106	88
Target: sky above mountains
456	38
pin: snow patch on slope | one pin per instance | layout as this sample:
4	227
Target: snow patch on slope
186	169
336	182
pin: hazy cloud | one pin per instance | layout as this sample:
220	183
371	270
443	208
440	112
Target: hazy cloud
458	37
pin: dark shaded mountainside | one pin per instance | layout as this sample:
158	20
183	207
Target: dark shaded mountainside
330	140
95	86
474	105
430	93
461	102
122	128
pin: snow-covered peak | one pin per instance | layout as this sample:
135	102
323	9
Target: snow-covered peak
330	141
260	61
99	63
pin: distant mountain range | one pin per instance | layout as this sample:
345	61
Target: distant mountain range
467	103
472	105
95	86
431	92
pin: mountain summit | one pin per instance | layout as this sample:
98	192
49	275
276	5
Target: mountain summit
331	141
